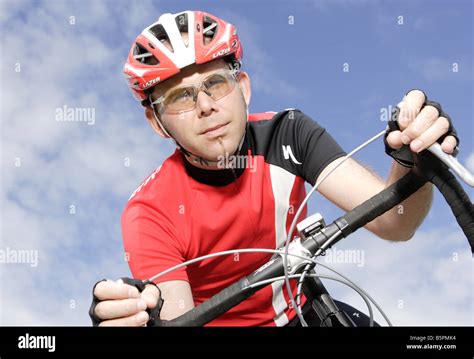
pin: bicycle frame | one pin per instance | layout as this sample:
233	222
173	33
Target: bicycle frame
324	306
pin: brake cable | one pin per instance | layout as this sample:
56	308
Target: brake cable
461	172
435	149
345	279
298	214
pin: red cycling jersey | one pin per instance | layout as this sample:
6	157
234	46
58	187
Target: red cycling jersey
181	212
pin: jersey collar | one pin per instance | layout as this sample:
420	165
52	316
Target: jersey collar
218	178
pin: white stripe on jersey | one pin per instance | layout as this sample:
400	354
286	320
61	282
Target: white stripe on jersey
282	185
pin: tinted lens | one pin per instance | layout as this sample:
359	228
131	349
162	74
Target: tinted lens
218	86
180	99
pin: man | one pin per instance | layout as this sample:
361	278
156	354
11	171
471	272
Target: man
185	69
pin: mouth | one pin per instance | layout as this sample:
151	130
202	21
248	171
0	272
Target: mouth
215	130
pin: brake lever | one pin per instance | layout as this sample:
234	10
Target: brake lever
452	163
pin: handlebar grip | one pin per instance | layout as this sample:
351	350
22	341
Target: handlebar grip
453	163
438	173
380	203
212	308
460	204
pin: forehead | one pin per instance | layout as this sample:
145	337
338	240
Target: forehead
191	75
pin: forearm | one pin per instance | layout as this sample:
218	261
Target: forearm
352	184
401	222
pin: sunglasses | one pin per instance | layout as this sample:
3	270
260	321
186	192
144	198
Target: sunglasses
182	99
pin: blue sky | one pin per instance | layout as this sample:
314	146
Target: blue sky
64	184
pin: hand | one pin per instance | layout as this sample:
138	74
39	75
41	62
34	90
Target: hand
420	126
122	304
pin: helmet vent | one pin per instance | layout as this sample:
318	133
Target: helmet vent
209	29
159	32
183	27
144	56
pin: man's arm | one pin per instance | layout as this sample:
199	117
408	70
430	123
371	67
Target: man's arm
351	184
178	299
421	124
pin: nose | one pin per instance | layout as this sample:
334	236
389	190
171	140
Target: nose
204	103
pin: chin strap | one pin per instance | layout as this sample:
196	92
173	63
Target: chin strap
204	161
195	158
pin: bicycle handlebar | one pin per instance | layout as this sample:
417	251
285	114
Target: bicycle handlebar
437	172
452	163
427	168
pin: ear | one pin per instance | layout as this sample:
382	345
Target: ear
244	83
153	122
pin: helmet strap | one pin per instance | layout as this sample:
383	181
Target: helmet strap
195	158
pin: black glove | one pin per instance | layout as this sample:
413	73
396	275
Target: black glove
95	319
404	155
154	313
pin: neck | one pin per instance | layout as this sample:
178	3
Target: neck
218	173
222	161
202	163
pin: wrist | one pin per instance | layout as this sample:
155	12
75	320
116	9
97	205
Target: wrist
397	171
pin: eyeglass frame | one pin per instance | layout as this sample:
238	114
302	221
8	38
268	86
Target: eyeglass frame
231	74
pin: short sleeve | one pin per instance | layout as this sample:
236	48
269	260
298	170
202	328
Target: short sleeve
151	244
315	146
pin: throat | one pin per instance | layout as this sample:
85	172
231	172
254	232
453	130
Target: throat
229	169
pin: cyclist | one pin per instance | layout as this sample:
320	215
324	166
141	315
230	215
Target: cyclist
235	179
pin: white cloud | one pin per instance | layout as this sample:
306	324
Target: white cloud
426	281
435	69
66	164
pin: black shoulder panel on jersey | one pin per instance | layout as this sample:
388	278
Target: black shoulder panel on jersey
293	141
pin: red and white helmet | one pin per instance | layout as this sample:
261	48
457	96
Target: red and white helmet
150	62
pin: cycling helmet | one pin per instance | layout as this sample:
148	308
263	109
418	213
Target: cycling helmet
150	61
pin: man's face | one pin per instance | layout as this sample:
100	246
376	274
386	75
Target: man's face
214	127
